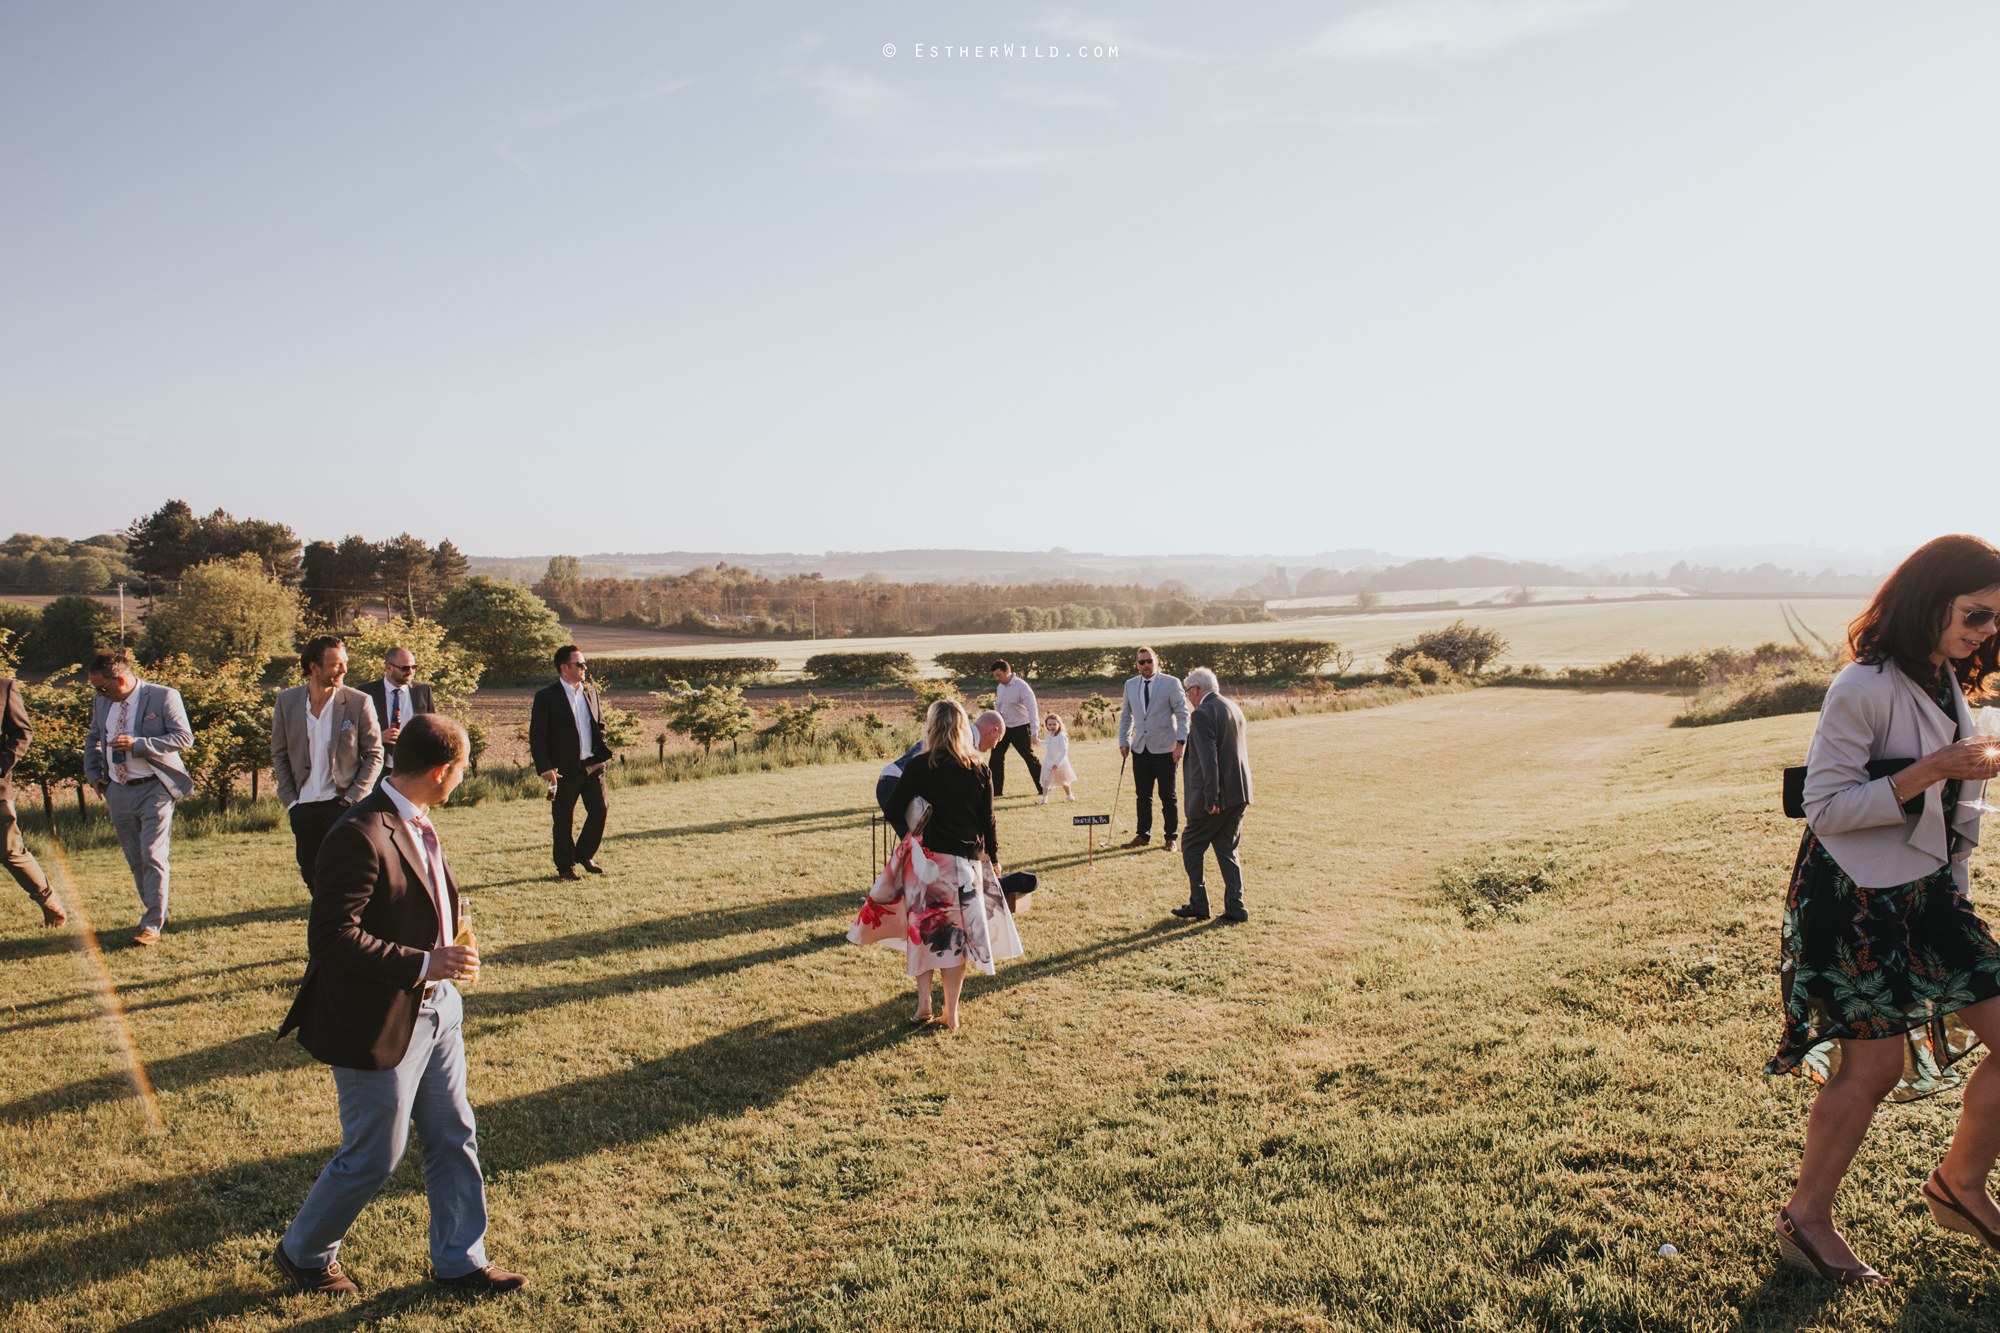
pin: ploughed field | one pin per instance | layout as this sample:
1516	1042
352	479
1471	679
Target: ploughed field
1553	636
1492	1037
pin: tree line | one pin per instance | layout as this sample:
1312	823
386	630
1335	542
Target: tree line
735	601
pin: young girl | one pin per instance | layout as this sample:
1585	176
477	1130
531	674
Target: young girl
1055	760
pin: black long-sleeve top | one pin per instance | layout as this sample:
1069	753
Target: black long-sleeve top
961	821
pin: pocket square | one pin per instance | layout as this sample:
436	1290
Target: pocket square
347	726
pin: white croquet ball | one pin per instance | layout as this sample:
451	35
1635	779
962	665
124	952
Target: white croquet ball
1668	1252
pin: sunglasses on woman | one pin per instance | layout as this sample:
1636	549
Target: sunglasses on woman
1979	619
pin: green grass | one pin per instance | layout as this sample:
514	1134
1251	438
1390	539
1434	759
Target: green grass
1553	636
1492	1037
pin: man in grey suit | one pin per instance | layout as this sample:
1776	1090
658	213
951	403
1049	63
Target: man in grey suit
1217	784
1152	731
132	758
326	748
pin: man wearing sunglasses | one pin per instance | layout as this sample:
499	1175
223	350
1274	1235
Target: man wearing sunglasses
1152	732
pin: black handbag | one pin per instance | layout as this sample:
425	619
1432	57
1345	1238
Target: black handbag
1795	786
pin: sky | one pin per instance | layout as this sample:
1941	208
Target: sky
1430	276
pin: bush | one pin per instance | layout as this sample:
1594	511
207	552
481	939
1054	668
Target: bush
929	692
653	673
1463	648
883	668
20	620
796	724
707	715
1771	691
224	611
1419	669
69	631
1246	660
505	626
1482	893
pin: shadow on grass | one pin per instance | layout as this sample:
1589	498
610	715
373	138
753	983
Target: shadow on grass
737	825
1787	1299
716	1078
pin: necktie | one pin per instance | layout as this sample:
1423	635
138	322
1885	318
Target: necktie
434	862
1146	688
124	713
395	708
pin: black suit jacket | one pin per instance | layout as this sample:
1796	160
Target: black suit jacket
552	738
373	920
378	694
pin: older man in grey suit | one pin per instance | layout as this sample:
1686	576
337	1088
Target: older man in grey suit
1216	781
1152	731
132	757
326	748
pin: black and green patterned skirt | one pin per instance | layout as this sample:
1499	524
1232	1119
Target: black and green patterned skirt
1871	963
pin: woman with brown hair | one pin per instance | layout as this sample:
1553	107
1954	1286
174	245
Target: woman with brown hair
939	898
1889	976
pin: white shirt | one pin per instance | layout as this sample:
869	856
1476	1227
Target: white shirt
122	719
395	704
318	785
579	706
411	815
1015	703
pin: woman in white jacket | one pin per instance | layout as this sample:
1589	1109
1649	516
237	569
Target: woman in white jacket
1888	974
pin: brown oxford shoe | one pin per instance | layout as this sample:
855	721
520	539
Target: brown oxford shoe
568	872
1170	844
491	1280
1143	840
148	937
328	1281
592	866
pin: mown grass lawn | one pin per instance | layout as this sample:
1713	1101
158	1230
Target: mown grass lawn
1376	1106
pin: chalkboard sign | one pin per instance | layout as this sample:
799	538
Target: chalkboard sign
1091	819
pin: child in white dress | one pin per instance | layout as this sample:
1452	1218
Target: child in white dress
1055	760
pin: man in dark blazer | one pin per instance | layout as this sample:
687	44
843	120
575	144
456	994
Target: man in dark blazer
1215	782
566	743
378	1004
397	697
15	738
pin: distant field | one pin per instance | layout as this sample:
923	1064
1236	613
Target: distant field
1554	636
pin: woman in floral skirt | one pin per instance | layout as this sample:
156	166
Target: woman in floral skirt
1889	976
939	899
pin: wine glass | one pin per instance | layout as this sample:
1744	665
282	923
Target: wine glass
1986	725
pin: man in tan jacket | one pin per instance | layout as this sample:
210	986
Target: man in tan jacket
326	748
15	738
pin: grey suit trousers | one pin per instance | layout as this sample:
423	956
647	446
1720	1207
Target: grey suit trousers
1222	831
377	1107
144	817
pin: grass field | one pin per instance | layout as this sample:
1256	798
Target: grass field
1554	636
1379	1105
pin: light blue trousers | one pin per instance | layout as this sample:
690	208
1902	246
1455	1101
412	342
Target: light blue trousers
144	818
377	1108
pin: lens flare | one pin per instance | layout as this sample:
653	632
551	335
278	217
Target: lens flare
108	1002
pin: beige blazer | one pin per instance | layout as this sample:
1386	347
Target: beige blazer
357	743
1878	712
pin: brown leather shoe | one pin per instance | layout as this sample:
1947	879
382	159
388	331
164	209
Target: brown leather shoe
1172	842
592	866
148	937
568	872
328	1281
491	1280
1143	840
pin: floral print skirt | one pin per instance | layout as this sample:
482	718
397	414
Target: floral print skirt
943	911
1870	963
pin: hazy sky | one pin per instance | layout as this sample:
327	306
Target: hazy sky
1433	276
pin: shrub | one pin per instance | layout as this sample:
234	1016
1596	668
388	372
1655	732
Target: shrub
1419	669
929	692
1096	711
69	631
1484	892
1244	660
796	724
1771	691
505	626
623	728
1464	648
647	673
224	611
882	668
707	715
20	620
